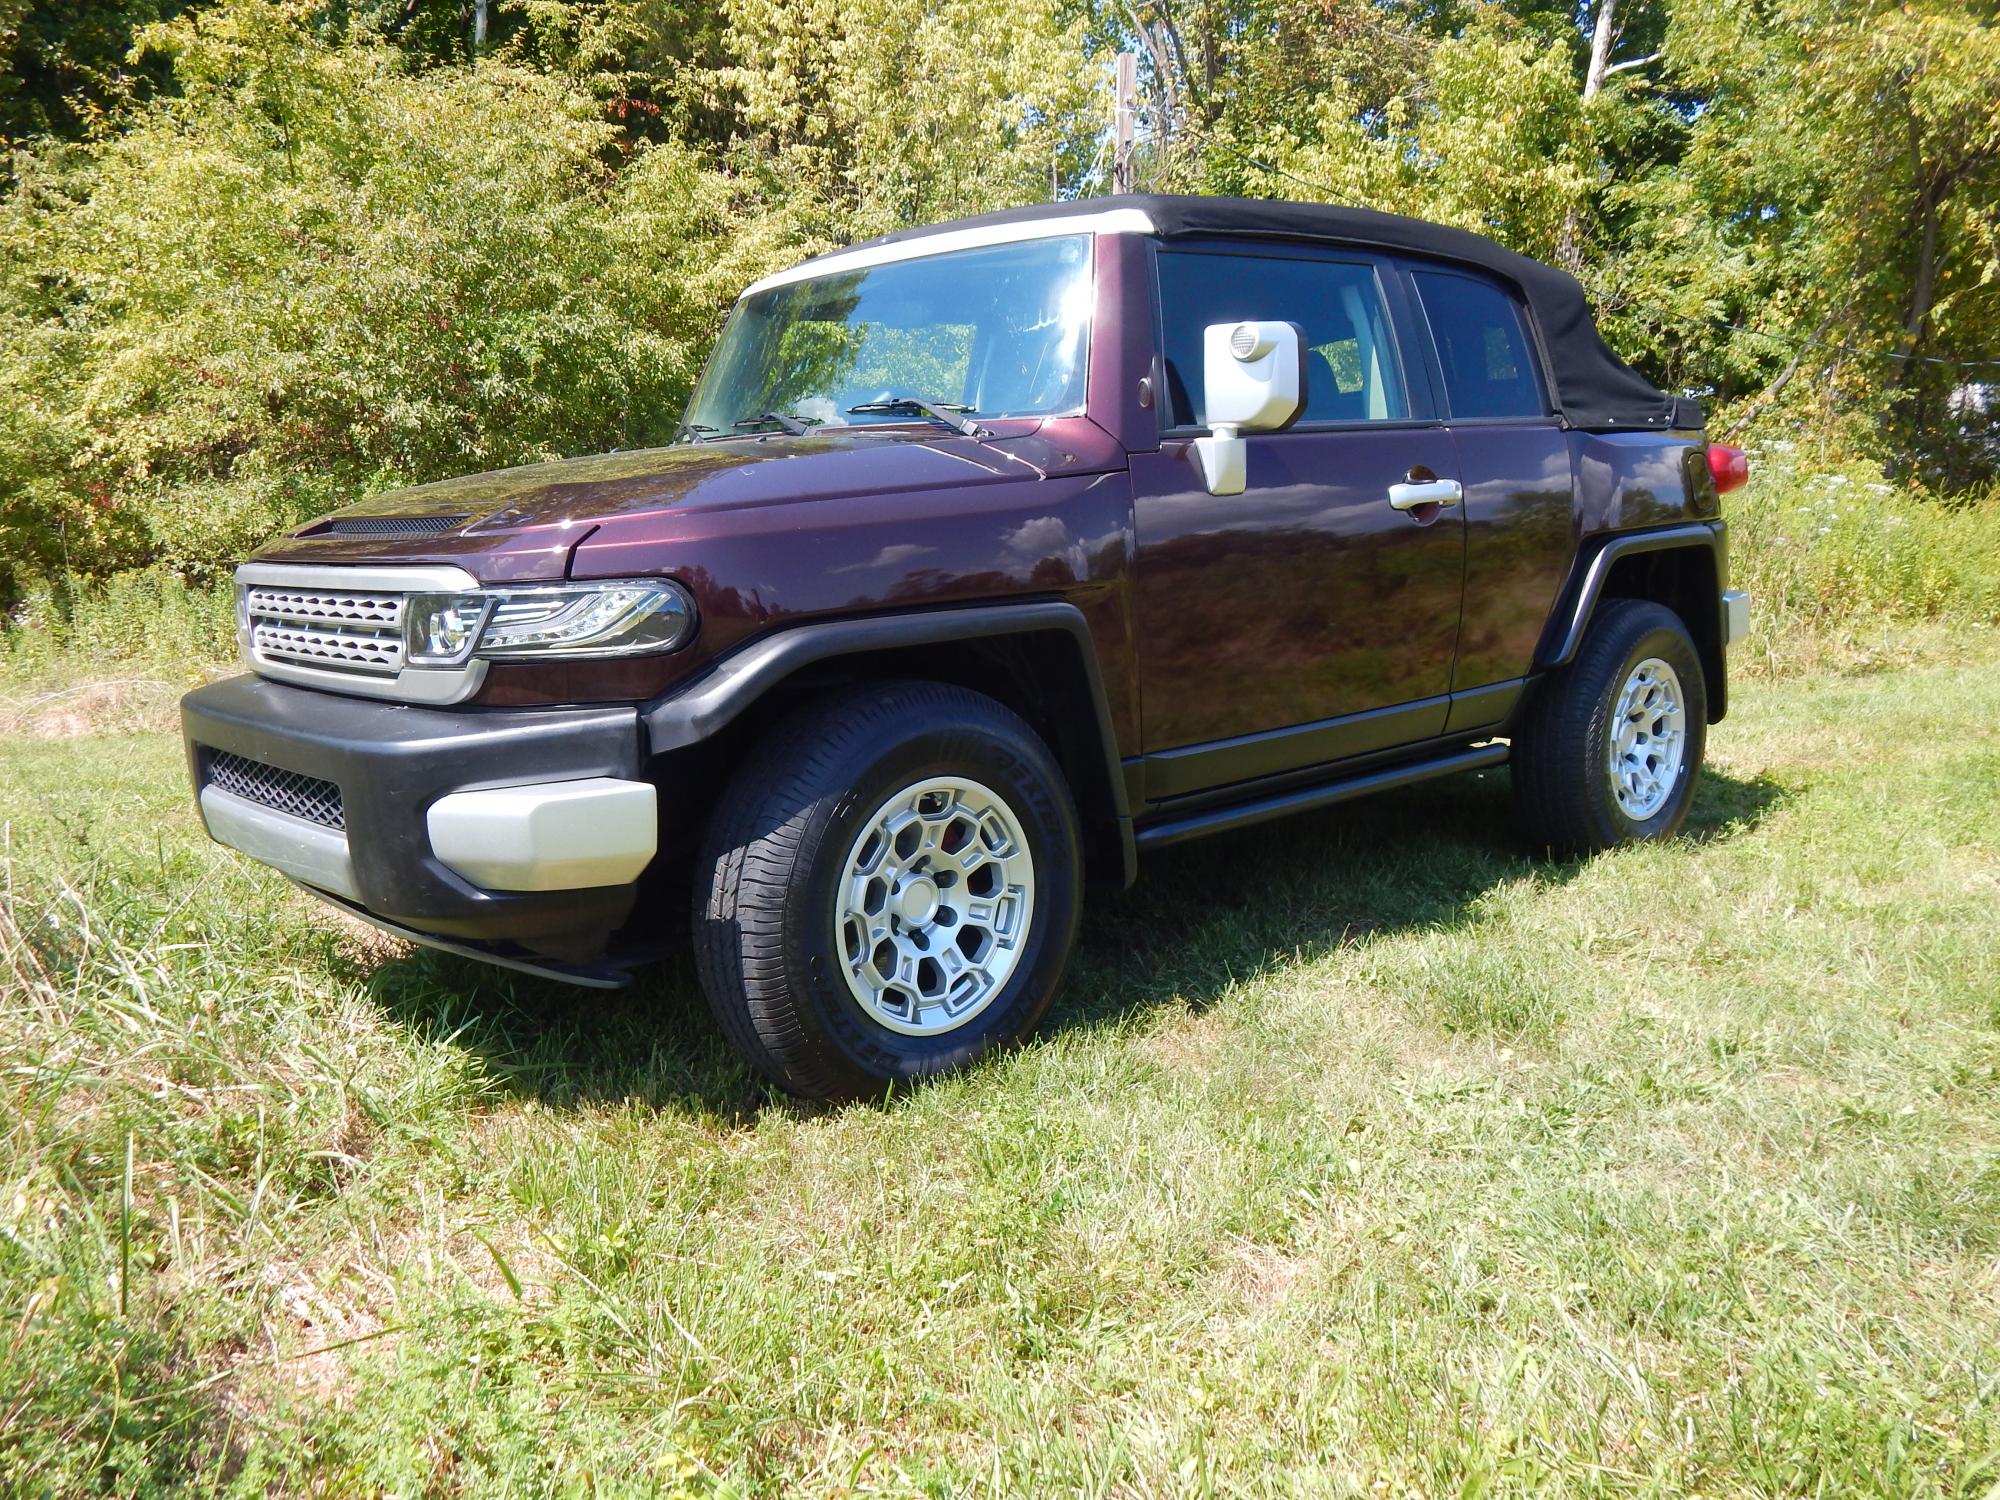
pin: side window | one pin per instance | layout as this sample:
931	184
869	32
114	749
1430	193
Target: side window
1489	368
1351	370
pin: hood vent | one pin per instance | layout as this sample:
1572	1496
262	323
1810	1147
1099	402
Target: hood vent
386	526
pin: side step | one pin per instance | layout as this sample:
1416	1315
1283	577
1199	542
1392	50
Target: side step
1283	804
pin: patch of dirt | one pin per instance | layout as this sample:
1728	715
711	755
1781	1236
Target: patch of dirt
1260	1276
321	1328
107	705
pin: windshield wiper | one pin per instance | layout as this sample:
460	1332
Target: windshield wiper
795	426
944	412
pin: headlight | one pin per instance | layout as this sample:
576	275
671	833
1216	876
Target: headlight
569	619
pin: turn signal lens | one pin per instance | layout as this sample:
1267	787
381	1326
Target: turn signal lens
1729	466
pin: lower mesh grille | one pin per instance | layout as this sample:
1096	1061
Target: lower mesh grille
286	791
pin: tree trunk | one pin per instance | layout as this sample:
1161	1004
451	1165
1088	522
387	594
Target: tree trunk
1569	243
479	9
1600	48
1923	284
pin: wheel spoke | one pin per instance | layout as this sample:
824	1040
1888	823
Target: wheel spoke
1647	736
937	898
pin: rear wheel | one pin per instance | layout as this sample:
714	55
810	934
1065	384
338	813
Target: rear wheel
1610	749
892	890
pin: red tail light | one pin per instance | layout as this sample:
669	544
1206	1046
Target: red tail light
1730	468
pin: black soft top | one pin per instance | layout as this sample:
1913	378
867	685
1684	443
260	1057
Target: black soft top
1593	386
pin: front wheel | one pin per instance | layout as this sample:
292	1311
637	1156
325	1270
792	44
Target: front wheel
1609	750
892	890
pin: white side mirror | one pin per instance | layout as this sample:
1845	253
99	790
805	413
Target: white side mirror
1254	380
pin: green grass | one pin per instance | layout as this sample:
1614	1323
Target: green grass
1364	1156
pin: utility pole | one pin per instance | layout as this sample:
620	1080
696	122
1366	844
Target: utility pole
1124	111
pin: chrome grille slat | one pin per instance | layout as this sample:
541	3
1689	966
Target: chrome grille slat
385	610
302	796
334	628
353	650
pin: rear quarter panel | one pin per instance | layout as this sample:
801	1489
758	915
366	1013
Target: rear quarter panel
1627	481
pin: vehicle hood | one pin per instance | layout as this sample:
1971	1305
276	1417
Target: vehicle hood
523	523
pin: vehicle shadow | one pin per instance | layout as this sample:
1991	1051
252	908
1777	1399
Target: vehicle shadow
1202	916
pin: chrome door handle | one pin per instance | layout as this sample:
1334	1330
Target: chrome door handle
1431	492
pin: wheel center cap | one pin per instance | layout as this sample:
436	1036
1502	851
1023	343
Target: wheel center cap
917	900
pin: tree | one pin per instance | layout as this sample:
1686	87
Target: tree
1840	192
64	63
891	114
316	273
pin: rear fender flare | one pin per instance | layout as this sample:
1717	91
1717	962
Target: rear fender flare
1570	620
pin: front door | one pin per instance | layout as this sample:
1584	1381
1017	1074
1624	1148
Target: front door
1306	619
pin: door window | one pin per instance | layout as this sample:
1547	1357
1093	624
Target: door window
1489	367
1351	369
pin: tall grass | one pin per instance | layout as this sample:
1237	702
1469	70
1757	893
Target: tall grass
149	618
1838	556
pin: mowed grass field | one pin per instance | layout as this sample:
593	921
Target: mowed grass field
1365	1156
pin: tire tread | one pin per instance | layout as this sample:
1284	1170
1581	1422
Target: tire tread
1552	758
757	853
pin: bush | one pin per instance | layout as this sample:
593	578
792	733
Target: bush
317	274
1826	547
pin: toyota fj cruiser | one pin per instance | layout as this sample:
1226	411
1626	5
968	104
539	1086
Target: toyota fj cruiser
990	556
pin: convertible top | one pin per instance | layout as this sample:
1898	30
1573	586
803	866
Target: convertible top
1594	388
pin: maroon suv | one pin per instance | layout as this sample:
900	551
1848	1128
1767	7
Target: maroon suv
991	555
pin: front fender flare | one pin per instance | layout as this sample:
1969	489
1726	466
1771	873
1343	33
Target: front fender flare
697	712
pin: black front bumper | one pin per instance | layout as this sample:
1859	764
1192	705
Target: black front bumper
391	761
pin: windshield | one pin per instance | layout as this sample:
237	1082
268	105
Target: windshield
995	332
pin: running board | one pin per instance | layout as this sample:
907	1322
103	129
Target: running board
1283	804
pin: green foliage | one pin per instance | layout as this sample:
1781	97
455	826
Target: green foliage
1838	199
315	274
295	252
1003	104
1488	133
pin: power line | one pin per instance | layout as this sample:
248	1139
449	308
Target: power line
1814	343
1276	171
1199	137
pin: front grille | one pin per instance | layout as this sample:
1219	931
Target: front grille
287	791
388	525
337	629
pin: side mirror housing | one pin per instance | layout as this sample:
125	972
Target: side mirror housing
1254	380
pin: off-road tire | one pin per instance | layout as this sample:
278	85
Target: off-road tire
772	865
1563	790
